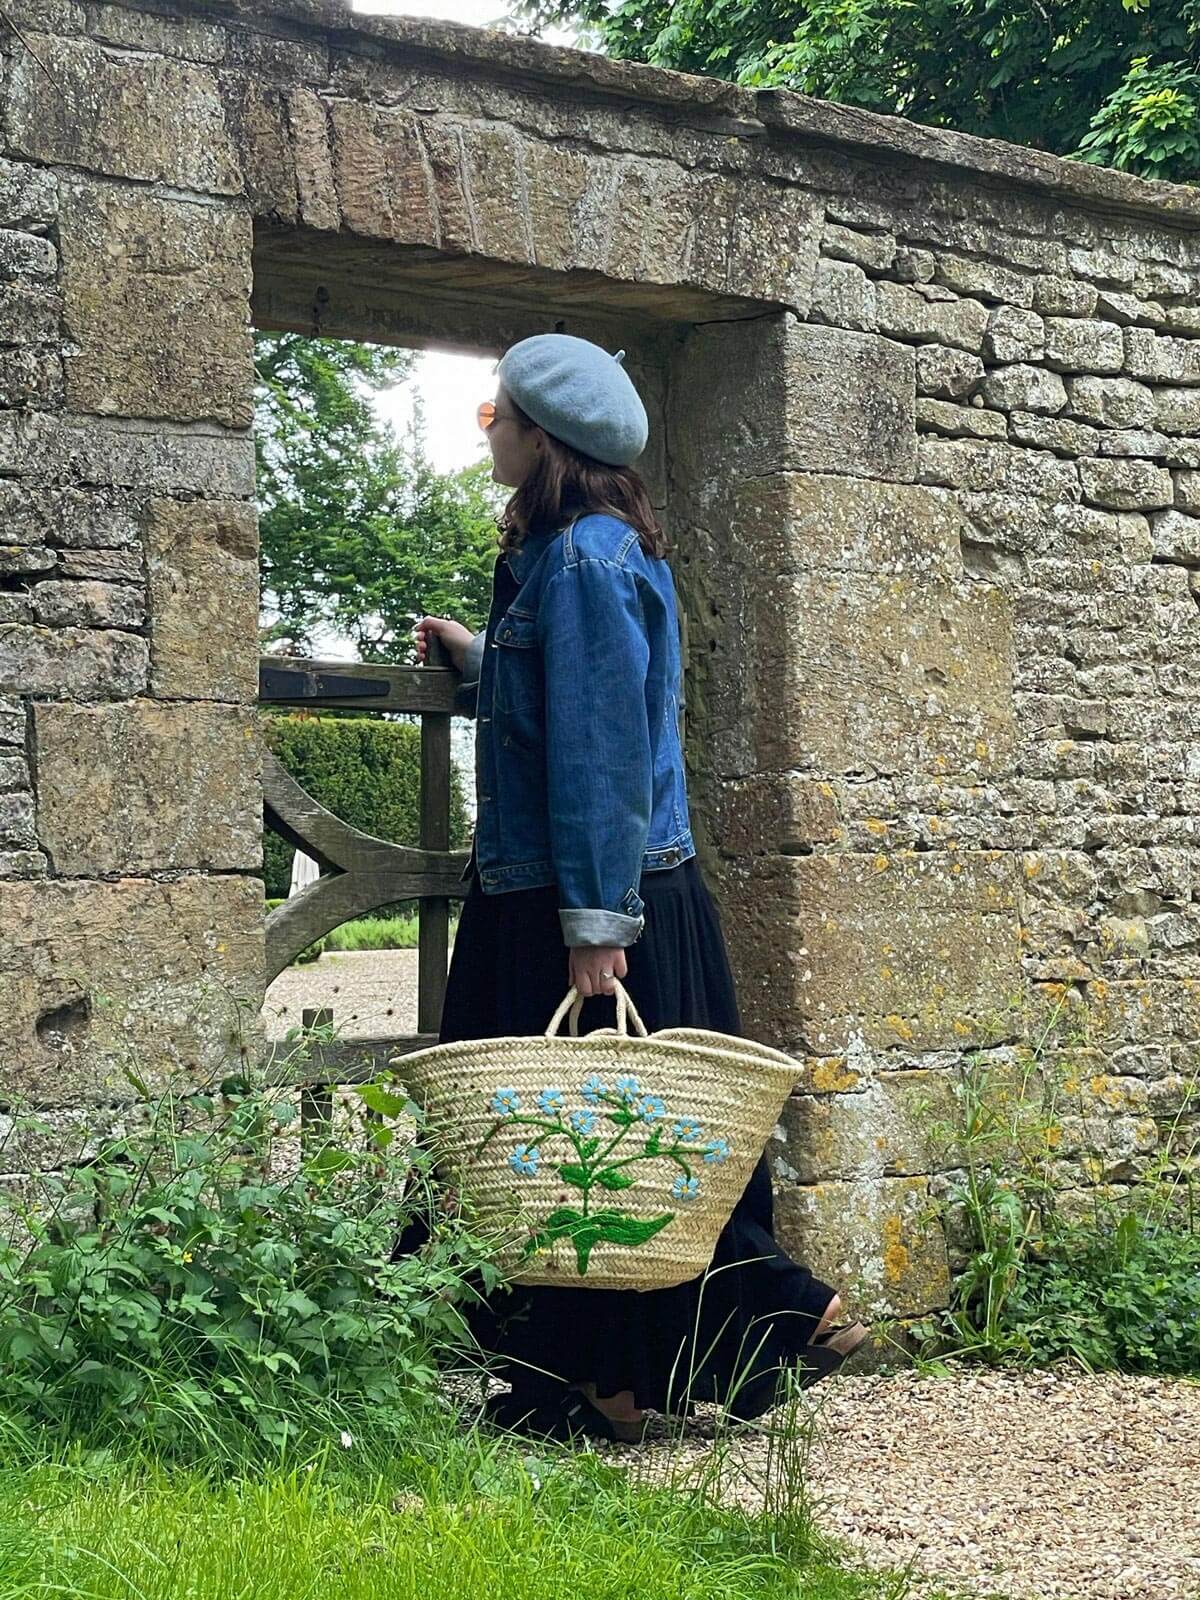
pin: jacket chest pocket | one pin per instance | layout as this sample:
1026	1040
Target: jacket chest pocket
520	676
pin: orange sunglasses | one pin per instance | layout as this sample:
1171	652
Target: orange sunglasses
485	415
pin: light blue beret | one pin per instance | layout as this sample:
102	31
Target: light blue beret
579	393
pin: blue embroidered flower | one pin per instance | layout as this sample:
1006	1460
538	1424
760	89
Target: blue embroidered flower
628	1089
687	1130
685	1188
506	1102
650	1108
551	1101
593	1089
524	1160
716	1151
582	1121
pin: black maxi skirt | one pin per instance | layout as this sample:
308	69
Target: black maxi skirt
726	1336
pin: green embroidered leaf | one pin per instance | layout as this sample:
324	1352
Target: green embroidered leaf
576	1176
653	1142
612	1179
622	1118
588	1148
629	1230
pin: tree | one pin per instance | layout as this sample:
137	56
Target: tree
1116	82
358	531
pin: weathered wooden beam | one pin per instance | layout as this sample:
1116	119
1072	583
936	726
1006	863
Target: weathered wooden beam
345	1061
355	686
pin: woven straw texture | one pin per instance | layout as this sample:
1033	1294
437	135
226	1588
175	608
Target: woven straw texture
616	1157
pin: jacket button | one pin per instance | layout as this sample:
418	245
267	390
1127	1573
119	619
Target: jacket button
671	855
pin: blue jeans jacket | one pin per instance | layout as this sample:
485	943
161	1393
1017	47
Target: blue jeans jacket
574	684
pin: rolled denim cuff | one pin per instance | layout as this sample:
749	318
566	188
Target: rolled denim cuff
599	927
466	695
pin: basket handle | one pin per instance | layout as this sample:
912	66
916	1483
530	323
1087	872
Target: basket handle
574	1000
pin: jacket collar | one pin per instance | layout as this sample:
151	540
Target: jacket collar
522	562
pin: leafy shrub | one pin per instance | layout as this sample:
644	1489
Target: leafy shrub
1126	1299
206	1276
364	770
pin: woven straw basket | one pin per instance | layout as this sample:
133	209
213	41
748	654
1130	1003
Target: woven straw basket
618	1157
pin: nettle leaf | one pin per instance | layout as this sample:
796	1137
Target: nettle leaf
380	1100
578	1177
612	1179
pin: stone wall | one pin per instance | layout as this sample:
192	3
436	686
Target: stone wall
926	440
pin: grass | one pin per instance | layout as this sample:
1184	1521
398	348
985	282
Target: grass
467	1516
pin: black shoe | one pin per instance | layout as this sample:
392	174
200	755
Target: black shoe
571	1416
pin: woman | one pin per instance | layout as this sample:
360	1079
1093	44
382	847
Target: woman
583	871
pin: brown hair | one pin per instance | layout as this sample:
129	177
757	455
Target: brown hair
565	483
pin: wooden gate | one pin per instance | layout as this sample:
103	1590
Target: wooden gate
360	872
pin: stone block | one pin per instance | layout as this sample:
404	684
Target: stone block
1142	442
818	522
897	1124
28	195
1075	344
907	314
14	773
878	1240
947	374
123	114
137	269
379	170
961	422
1126	485
1064	297
66	519
16	821
144	787
1023	388
89	603
71	663
1014	335
26	560
26	255
202	557
96	977
1176	537
12	722
930	685
22	864
984	280
31	378
149	457
1175	410
1114	402
184	38
844	296
1065	438
29	313
776	814
874	250
109	566
916	950
1161	358
316	189
777	395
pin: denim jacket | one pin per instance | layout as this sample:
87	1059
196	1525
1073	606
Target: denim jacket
574	684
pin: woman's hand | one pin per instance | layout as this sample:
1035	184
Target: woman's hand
453	635
588	961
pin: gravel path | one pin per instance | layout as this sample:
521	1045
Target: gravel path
1033	1486
1025	1485
372	993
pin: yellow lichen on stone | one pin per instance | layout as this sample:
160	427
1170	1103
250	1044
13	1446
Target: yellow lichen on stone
895	1252
831	1075
876	825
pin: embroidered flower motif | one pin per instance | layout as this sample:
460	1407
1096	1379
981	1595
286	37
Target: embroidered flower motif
551	1101
524	1160
582	1121
716	1151
628	1089
687	1130
593	1089
685	1188
650	1108
506	1102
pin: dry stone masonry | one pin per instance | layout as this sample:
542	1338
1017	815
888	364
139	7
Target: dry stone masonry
926	435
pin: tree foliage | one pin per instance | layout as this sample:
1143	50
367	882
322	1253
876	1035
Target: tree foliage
359	533
1115	82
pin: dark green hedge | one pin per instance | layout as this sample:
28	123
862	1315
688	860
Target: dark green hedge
366	771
